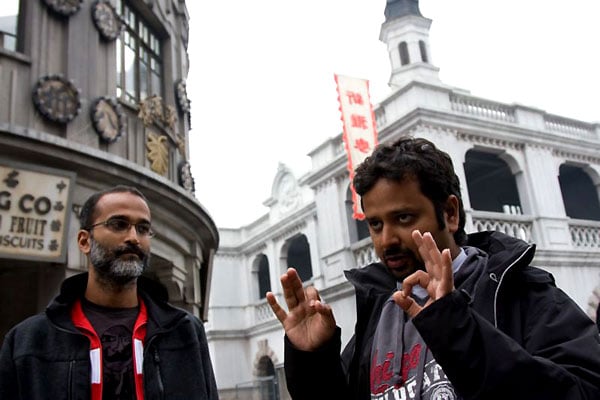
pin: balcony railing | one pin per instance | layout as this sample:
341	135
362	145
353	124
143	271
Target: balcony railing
572	128
365	254
482	108
516	225
263	312
585	235
507	113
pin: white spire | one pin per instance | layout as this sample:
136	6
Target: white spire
406	34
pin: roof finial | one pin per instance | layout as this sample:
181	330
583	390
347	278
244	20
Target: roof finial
400	8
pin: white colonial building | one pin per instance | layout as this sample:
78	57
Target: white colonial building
523	171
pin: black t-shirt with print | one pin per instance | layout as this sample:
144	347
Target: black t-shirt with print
114	327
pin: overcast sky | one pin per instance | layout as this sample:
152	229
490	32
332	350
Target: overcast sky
262	87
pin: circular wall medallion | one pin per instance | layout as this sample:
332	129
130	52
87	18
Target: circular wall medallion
107	20
186	180
181	93
64	7
56	98
108	118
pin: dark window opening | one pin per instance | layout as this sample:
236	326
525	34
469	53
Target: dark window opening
423	49
264	281
580	195
358	229
268	387
298	257
404	58
491	184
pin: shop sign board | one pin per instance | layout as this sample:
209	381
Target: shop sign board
35	207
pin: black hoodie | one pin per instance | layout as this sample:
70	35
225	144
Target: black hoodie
46	357
506	332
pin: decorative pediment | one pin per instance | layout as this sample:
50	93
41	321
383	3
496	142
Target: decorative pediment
285	193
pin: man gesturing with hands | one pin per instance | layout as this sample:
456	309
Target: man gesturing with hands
444	315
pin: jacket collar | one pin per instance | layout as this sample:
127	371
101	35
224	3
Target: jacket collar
503	250
161	314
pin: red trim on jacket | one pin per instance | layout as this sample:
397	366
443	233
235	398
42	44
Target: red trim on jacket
139	334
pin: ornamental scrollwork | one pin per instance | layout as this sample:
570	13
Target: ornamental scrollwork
56	98
107	20
108	119
158	153
64	8
186	180
153	110
182	98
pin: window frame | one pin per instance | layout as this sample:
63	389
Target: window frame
17	36
141	46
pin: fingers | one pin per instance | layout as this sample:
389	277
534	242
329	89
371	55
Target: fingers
315	302
312	295
417	278
277	310
407	303
293	291
403	297
447	282
438	265
294	294
327	312
430	254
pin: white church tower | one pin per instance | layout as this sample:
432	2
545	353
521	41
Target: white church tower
406	34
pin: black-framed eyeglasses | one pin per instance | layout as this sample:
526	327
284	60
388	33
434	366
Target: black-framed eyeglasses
120	225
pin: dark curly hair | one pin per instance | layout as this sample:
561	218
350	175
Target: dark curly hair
86	216
417	158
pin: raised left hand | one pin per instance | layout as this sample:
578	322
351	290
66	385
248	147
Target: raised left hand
437	278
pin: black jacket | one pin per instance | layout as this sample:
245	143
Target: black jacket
46	357
507	332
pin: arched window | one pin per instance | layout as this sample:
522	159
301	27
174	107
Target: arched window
491	183
298	257
357	229
264	279
423	49
267	382
580	195
404	58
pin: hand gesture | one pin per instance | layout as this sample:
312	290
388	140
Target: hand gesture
437	278
309	323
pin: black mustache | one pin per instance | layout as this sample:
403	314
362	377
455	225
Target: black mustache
395	251
127	249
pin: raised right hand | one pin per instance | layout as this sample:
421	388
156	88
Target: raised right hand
309	323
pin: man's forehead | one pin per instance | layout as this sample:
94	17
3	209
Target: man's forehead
121	202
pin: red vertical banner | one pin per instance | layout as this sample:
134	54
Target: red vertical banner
360	131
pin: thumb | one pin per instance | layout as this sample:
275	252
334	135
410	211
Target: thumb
407	303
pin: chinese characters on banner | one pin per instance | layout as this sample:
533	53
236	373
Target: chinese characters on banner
360	132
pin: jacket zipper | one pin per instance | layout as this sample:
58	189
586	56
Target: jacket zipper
70	380
153	352
161	388
502	280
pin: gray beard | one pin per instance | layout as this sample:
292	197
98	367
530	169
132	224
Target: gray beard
113	271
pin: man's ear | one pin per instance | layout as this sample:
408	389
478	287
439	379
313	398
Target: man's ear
83	241
451	213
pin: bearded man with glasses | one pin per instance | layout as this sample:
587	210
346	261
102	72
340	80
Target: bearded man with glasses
110	333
